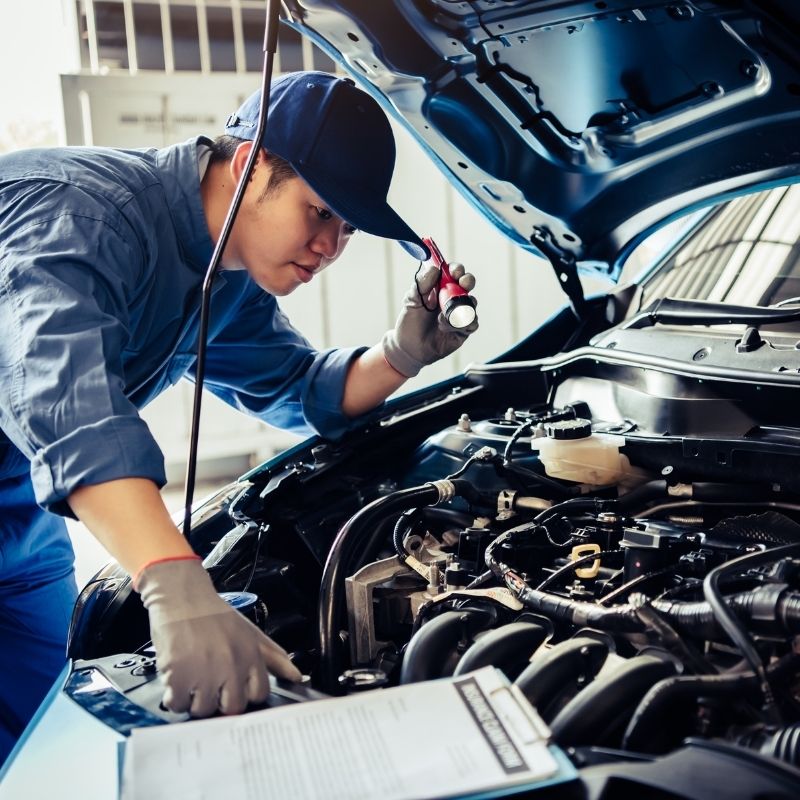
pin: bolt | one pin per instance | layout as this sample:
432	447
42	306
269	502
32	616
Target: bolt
749	69
320	453
679	12
433	579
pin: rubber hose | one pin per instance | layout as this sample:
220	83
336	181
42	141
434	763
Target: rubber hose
692	618
597	715
709	492
732	624
508	647
652	490
331	595
404	524
701	491
346	547
574	504
645	731
563	668
783	743
406	520
429	648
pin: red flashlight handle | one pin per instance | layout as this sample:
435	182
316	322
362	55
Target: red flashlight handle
448	285
455	303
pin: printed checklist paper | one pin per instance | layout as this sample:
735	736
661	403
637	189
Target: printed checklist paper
455	737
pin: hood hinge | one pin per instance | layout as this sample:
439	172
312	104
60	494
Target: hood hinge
565	266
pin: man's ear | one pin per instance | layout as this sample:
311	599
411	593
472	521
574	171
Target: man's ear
239	160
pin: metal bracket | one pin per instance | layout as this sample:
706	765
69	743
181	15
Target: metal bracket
565	266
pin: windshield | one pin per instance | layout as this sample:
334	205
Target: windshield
746	252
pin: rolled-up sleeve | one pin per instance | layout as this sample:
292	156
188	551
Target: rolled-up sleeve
263	366
64	283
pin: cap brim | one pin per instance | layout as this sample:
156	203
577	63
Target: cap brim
379	219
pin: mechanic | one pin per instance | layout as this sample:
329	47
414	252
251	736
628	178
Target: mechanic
102	257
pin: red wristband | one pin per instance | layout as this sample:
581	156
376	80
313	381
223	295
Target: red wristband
388	363
161	561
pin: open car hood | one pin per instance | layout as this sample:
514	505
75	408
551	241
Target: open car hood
579	128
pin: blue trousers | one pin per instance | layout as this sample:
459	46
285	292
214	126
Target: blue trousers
37	593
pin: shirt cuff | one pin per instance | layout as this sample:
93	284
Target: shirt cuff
115	448
324	391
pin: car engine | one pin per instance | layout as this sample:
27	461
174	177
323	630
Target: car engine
634	609
626	549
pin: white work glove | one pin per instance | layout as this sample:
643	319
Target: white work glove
421	334
210	656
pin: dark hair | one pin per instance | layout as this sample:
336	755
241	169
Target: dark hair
223	148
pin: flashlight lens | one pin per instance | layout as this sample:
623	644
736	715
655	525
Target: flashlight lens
461	315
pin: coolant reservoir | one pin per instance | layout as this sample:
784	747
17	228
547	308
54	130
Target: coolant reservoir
572	452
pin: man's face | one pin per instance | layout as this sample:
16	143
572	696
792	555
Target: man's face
285	237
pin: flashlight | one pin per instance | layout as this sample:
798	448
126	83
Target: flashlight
456	304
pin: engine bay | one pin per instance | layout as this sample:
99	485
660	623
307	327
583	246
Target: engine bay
626	549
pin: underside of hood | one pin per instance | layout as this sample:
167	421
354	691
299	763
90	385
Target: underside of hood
579	128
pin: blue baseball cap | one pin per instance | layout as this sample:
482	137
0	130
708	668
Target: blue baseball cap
339	142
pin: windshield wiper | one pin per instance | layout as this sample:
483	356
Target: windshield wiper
672	311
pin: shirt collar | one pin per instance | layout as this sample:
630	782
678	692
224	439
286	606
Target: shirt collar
179	169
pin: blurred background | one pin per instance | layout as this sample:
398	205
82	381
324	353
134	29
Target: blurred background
147	73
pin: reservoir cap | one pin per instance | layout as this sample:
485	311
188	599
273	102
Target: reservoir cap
569	429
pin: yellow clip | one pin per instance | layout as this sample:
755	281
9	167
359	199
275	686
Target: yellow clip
584	550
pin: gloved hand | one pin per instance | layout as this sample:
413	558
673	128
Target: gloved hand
421	334
209	655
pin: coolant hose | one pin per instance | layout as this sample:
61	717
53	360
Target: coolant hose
346	547
636	498
646	732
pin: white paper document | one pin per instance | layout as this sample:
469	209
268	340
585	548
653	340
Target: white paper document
448	738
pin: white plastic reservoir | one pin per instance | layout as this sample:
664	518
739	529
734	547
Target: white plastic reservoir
573	452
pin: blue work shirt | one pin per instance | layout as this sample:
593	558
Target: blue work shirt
102	258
